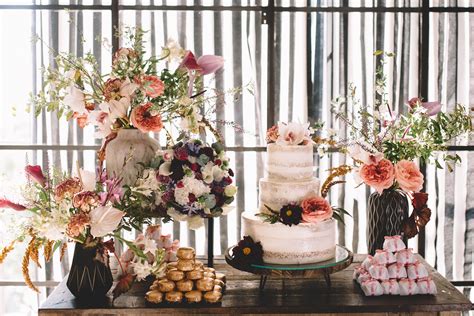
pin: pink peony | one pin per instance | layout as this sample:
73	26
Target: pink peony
315	209
408	176
154	87
36	174
380	176
144	120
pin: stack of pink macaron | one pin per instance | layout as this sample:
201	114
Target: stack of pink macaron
394	270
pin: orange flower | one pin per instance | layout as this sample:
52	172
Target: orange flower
272	134
86	200
68	188
154	87
112	89
77	224
316	209
380	176
408	176
145	120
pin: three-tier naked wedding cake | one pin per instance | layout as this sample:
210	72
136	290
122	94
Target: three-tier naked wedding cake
293	223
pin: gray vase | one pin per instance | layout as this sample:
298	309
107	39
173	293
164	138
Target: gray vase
126	153
385	214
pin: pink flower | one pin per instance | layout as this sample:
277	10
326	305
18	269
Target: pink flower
205	65
4	203
380	175
408	176
315	209
144	120
153	232
272	134
432	108
154	87
36	174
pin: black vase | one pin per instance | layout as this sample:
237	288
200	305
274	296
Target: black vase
385	214
90	277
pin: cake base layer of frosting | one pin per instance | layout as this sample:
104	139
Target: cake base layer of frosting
299	244
275	194
292	163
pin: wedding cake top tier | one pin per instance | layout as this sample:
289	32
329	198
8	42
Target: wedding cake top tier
289	162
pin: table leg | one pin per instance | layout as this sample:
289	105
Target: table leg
263	281
327	277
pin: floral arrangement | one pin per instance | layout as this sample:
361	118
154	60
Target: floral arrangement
187	182
146	256
143	93
248	252
384	144
289	134
81	209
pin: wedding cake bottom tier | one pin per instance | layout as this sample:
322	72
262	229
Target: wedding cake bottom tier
299	244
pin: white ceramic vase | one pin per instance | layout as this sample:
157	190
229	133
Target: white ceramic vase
124	154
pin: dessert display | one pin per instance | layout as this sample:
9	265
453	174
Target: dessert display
394	270
187	281
294	223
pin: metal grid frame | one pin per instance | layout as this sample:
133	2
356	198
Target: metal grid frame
268	17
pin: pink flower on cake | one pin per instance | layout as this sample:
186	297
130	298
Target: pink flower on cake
408	176
272	134
154	87
380	176
144	119
316	209
293	133
36	174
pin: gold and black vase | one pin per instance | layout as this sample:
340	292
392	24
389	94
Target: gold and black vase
90	277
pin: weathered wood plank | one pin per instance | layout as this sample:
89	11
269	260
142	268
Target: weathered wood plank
281	296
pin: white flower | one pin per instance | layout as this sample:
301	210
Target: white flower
195	186
195	222
173	50
75	100
191	122
181	196
127	88
292	133
53	226
142	269
357	152
218	173
150	246
167	154
104	220
165	169
87	179
230	190
207	172
118	109
147	183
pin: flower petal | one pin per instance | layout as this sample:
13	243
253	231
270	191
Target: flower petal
4	203
210	63
87	179
36	174
104	220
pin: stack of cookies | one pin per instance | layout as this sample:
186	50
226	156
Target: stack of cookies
187	280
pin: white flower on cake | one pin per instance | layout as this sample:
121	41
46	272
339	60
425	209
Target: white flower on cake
293	133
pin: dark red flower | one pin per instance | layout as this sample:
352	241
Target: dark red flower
291	214
218	162
228	180
181	153
36	174
248	251
207	151
231	172
192	198
419	200
419	217
167	196
180	184
195	167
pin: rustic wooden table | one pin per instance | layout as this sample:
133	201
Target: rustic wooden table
281	296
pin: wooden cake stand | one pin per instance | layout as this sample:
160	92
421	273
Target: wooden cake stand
341	261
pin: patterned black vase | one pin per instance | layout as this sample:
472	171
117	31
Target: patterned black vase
90	277
385	214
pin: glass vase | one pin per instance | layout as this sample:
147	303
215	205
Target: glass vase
385	215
